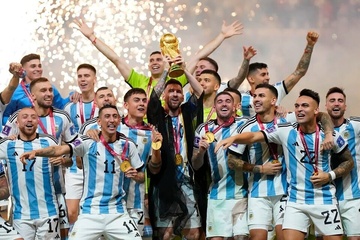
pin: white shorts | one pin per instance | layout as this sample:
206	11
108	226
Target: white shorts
112	226
227	218
7	231
263	212
326	218
74	184
350	216
45	228
194	221
63	214
138	216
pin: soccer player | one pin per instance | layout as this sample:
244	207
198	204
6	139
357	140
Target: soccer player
227	198
258	73
54	122
311	196
7	231
79	113
171	190
347	187
31	182
133	126
105	163
21	98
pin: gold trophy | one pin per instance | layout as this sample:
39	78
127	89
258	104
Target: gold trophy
169	46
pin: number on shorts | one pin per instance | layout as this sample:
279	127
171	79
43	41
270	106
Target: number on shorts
7	226
328	220
141	218
25	169
134	228
62	212
56	220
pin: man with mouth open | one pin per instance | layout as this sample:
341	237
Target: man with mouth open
309	164
347	187
79	112
227	197
31	182
105	164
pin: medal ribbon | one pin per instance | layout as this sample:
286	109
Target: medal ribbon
82	117
317	136
52	122
27	93
272	146
224	124
112	151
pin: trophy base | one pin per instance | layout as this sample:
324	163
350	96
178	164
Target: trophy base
175	71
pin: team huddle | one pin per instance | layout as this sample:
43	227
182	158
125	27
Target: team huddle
193	157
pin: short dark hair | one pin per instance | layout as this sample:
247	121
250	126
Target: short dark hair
223	93
108	106
155	52
133	91
211	61
213	73
29	57
36	81
87	66
336	90
270	87
173	81
101	89
310	93
255	66
233	90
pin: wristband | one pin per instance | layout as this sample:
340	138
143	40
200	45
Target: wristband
332	175
154	165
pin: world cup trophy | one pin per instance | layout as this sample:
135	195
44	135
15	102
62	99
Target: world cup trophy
169	46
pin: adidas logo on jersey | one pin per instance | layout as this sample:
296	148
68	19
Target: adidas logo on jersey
295	144
137	235
97	153
57	237
77	116
63	222
15	154
338	227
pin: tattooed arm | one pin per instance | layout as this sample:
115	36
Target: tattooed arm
304	62
4	189
328	126
235	162
244	68
53	151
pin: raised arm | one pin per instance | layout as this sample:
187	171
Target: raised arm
120	63
304	62
226	31
6	94
195	85
197	159
244	68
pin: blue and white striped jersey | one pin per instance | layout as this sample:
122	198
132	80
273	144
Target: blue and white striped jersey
226	183
247	106
262	185
103	179
89	111
135	192
348	187
63	128
300	168
31	185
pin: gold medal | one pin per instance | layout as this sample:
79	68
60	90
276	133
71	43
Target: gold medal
156	145
210	137
275	161
178	159
125	165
